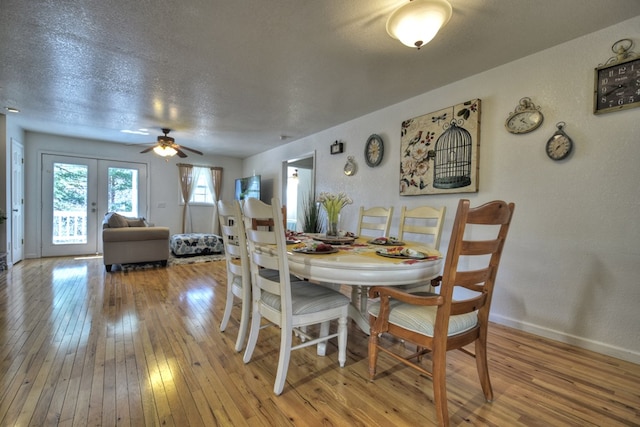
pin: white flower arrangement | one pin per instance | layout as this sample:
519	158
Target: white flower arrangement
333	204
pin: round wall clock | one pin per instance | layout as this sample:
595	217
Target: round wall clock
525	118
374	150
559	146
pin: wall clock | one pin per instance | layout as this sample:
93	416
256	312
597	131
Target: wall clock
350	166
525	118
617	83
559	146
374	150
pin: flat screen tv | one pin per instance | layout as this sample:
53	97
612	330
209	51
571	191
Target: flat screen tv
248	187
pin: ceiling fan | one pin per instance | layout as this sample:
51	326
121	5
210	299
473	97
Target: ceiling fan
167	147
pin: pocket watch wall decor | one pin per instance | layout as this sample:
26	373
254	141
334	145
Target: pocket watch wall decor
617	82
559	146
350	166
374	150
525	118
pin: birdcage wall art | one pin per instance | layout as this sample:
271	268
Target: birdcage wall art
439	151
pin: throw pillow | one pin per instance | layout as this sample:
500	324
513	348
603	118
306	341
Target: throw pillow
117	221
136	222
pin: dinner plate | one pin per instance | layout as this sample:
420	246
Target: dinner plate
335	240
387	243
310	251
399	255
292	242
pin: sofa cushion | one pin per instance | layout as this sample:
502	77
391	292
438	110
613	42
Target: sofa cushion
116	220
134	234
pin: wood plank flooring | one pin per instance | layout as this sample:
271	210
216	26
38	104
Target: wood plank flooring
80	347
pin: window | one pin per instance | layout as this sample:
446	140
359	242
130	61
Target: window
202	193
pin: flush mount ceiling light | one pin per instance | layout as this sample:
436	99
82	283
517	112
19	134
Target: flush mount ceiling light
417	22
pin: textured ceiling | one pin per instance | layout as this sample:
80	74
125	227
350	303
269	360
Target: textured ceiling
233	77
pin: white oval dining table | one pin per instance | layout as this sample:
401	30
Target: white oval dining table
360	267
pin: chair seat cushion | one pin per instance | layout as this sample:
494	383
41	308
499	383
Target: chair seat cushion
422	319
308	298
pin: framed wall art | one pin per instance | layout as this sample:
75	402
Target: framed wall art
440	151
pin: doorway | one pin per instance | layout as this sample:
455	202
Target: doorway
76	194
298	178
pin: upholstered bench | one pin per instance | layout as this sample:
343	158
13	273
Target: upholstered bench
196	244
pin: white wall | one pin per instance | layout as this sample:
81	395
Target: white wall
571	266
163	181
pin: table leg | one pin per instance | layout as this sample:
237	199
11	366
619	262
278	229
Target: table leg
358	308
361	321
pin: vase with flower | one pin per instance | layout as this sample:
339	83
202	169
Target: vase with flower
333	204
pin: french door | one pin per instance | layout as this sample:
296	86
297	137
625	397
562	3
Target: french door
76	194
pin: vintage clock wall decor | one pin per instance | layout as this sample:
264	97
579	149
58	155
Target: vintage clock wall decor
617	82
526	117
559	146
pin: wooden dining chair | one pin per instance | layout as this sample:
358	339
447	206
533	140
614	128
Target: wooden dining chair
437	323
422	223
261	222
283	300
377	219
238	274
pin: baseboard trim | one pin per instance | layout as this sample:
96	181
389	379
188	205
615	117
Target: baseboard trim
598	347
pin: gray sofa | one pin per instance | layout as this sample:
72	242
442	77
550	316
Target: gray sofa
131	240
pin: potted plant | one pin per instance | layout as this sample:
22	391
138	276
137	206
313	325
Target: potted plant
311	220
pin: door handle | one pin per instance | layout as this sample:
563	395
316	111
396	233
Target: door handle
15	210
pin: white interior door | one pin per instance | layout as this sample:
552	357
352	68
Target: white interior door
17	201
76	194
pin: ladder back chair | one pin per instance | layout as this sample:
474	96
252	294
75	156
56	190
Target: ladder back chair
377	219
419	224
422	221
238	274
287	302
437	323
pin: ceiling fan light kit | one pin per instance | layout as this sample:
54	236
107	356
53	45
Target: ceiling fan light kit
417	22
164	151
167	147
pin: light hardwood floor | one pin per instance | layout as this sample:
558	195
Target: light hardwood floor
82	347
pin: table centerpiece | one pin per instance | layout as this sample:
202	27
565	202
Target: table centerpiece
333	204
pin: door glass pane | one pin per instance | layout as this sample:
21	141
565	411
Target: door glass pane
122	191
69	203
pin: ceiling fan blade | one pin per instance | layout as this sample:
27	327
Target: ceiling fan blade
146	150
180	152
190	149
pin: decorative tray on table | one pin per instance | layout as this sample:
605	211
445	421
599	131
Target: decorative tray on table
335	240
401	253
386	241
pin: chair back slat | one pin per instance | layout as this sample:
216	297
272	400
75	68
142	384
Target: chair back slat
237	262
265	236
422	221
377	219
482	257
